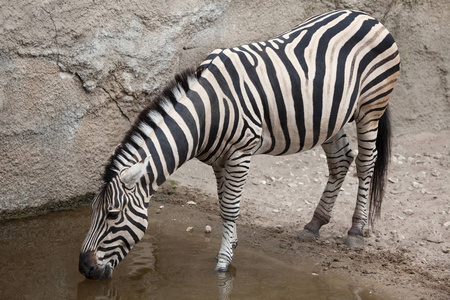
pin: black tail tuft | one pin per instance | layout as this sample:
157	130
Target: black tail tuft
383	145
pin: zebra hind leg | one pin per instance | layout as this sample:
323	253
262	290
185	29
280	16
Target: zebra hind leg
369	171
339	158
230	183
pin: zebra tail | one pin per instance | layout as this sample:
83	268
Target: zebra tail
383	146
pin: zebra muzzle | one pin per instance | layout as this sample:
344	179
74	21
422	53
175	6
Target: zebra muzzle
89	266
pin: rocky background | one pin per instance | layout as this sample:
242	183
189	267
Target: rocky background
75	74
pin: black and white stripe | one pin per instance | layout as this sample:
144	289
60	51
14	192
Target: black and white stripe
282	96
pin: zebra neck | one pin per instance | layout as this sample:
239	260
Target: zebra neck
172	143
169	131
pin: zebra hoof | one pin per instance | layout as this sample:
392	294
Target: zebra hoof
354	241
221	267
306	236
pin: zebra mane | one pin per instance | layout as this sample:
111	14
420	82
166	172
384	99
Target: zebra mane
146	119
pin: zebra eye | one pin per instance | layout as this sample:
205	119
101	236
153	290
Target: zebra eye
113	213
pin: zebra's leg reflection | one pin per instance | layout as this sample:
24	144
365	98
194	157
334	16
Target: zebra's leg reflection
225	282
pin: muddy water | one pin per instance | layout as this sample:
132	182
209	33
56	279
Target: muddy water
39	260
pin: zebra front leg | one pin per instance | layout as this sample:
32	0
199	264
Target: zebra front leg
339	158
230	182
225	255
220	174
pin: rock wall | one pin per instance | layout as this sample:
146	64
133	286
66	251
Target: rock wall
75	74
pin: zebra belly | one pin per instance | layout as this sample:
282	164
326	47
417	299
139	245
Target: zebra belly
287	137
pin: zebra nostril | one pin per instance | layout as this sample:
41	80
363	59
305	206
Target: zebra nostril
89	267
87	262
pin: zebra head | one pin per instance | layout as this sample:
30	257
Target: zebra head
119	221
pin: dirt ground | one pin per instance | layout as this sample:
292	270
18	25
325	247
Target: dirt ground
407	252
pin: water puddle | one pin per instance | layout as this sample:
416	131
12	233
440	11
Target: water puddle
39	260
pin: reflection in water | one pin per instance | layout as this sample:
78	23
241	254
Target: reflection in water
225	282
40	261
93	289
105	289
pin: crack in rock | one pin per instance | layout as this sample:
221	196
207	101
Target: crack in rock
117	104
56	35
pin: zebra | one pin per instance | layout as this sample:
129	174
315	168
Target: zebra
285	95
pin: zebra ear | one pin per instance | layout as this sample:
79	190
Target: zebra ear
132	175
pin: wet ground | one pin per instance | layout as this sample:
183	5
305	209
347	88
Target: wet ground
40	261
